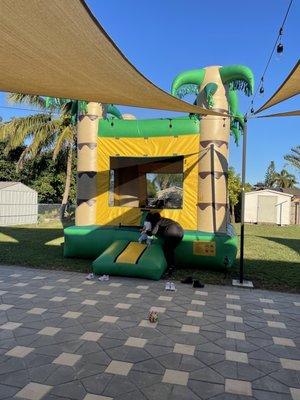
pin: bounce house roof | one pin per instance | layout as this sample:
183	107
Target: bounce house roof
58	48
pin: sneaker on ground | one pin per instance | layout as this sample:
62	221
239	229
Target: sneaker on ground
168	286
172	287
197	284
188	279
90	276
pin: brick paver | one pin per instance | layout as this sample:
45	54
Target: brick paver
61	338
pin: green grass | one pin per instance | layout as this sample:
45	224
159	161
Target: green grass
272	254
272	259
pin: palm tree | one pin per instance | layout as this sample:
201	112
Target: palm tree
54	128
294	157
284	179
215	87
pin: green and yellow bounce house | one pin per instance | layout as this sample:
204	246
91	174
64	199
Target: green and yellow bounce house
115	157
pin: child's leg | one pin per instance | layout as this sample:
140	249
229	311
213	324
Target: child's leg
143	238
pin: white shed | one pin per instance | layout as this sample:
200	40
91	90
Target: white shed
18	204
268	206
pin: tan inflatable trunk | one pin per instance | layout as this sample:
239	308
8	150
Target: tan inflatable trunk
213	165
87	164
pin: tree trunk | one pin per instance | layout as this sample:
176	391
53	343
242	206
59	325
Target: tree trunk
213	165
233	214
68	181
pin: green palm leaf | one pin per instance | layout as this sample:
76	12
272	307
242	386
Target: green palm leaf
37	101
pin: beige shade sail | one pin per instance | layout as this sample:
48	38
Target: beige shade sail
295	113
289	88
57	48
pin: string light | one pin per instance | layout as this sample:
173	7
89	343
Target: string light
279	49
278	46
261	88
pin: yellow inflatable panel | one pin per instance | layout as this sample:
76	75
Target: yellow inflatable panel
186	146
131	253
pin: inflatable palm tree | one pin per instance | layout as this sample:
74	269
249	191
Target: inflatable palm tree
87	159
216	88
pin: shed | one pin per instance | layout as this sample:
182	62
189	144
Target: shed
18	204
268	206
295	204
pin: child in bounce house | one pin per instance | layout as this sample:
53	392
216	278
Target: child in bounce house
146	232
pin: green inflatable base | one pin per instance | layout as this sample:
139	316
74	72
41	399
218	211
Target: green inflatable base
91	241
151	265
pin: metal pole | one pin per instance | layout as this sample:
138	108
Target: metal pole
243	202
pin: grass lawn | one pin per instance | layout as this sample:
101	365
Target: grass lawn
272	254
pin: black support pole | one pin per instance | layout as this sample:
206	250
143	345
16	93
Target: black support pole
243	202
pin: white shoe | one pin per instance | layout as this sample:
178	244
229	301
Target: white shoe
168	286
172	287
103	278
90	276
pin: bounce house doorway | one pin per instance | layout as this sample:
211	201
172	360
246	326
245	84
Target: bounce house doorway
146	182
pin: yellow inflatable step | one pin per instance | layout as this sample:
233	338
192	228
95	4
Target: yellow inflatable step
132	253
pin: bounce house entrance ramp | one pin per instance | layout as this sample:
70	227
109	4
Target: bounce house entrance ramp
126	258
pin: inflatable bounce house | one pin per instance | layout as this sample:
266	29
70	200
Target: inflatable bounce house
120	159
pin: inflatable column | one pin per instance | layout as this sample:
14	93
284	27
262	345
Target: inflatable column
213	155
215	88
87	164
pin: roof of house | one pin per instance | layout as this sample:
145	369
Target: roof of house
293	191
271	191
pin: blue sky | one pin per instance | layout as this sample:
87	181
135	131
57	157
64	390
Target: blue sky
164	37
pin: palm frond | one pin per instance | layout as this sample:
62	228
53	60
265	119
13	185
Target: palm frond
187	89
65	137
294	157
18	129
37	101
22	158
43	136
37	129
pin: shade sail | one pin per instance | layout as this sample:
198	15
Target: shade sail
57	48
289	88
295	113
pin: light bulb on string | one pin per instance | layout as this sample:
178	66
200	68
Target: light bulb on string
279	49
261	89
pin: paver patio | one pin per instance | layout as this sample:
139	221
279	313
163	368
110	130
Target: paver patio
63	339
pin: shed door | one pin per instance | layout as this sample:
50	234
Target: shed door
267	211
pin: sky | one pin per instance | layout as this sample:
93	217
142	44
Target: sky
165	37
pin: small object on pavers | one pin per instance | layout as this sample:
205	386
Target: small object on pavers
153	317
103	278
188	279
197	284
170	286
90	276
